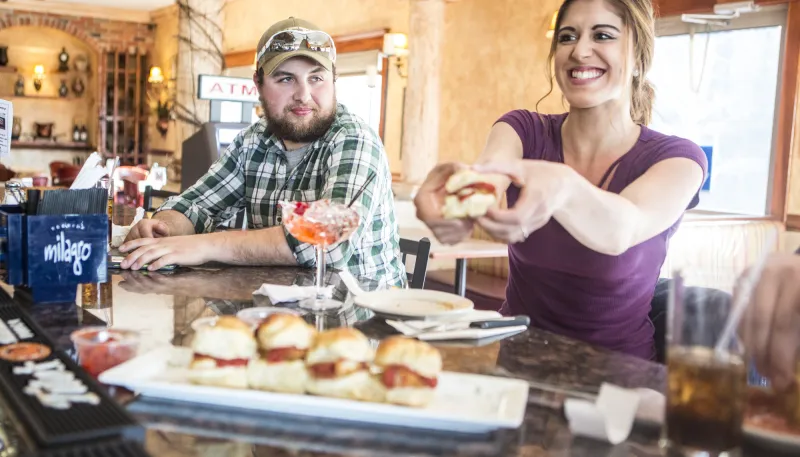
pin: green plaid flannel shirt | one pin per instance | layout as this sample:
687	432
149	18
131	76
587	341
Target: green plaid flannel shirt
252	173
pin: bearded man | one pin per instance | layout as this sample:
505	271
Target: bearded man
307	147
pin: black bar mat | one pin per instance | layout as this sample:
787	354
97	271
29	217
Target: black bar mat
107	449
49	417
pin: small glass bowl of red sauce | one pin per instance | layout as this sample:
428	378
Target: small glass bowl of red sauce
101	348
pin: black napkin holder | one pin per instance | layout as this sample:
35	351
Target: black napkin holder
49	255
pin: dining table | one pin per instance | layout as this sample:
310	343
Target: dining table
163	306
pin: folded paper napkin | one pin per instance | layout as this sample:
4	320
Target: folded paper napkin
457	327
118	232
282	294
92	170
611	416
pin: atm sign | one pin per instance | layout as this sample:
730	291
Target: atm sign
227	88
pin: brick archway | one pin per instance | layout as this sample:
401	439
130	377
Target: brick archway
101	35
74	26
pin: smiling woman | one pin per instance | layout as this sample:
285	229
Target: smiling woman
598	194
635	66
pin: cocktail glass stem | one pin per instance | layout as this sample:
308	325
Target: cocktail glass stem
320	302
320	280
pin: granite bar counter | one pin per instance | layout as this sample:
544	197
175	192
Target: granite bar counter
163	306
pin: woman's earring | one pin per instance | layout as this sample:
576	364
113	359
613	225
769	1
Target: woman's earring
636	73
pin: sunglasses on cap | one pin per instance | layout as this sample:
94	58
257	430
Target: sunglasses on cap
292	39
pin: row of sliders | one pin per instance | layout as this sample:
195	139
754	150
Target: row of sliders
286	354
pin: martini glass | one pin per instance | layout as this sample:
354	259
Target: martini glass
322	224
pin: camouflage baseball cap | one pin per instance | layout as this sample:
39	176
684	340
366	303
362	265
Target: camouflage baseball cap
301	39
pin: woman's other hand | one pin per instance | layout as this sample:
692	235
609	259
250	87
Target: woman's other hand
430	201
543	189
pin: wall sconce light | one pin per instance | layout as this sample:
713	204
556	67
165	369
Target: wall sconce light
38	77
156	76
396	45
159	92
551	30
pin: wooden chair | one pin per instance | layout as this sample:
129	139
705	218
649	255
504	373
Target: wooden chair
149	193
130	178
65	176
6	174
420	250
56	170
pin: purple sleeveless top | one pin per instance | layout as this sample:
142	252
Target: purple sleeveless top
567	288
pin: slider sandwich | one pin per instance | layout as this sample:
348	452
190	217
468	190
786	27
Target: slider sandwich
339	366
410	370
222	352
469	194
283	341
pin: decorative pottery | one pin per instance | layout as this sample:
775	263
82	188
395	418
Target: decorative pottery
63	61
3	56
78	86
19	87
43	130
63	90
16	129
81	63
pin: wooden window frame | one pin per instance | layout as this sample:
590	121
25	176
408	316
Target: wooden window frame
357	42
787	101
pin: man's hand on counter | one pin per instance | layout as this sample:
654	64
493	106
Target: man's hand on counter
174	250
266	246
163	224
148	228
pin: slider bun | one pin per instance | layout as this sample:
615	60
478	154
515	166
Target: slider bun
474	206
232	323
288	377
205	372
228	338
462	178
285	330
360	385
340	343
467	176
416	355
410	396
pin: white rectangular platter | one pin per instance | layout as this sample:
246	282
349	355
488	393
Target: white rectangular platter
464	403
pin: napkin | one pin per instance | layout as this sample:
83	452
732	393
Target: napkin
609	418
91	172
281	294
118	232
652	405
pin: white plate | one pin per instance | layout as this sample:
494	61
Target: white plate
463	403
772	439
766	437
414	302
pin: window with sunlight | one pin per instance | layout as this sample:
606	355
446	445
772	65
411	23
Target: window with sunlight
361	97
718	86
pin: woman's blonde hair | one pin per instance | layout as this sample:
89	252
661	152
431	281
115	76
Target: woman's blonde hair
638	16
